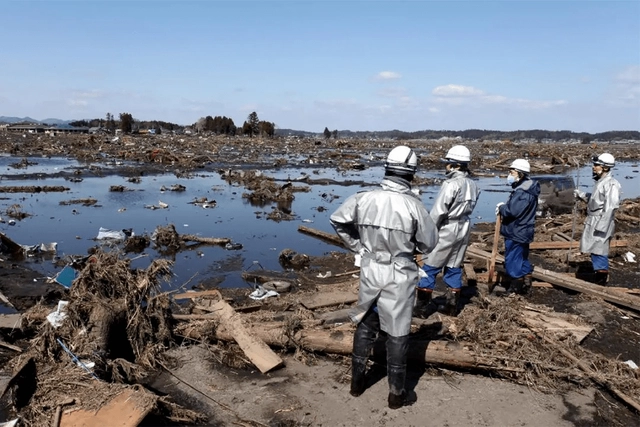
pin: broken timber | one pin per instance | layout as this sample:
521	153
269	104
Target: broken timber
329	237
558	279
256	350
11	321
443	353
572	245
320	300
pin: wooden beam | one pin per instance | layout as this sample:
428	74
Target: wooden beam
329	237
327	299
10	346
11	321
558	279
443	353
256	350
469	271
573	245
197	294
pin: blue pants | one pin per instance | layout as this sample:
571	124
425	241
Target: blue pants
516	259
452	277
600	262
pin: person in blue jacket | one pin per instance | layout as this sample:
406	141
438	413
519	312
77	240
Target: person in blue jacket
518	222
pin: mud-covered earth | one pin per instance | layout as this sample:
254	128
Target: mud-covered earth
213	379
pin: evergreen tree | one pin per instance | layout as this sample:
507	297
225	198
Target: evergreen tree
254	123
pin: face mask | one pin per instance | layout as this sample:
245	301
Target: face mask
511	179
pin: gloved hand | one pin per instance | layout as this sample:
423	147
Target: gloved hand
579	194
498	208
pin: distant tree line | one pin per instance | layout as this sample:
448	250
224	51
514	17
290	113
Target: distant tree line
479	134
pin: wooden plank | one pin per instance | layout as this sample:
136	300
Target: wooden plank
329	237
256	350
11	321
127	409
10	346
556	323
572	245
338	316
469	271
197	294
328	299
494	250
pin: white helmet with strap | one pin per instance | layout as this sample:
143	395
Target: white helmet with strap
458	154
402	160
604	159
521	165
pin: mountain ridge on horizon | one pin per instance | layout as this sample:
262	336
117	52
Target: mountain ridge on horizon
468	133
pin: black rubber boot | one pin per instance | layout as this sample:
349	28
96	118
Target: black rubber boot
452	305
601	277
516	286
363	341
397	370
423	307
527	284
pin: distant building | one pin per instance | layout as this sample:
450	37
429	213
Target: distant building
47	129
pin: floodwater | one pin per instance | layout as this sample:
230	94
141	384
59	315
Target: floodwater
75	227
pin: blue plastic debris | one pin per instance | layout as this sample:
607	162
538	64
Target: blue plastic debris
66	276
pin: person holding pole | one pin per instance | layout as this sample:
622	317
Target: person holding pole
386	227
518	224
599	226
451	213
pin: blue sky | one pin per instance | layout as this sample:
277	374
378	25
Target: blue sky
358	65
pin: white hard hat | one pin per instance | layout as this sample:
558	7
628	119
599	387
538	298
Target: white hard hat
458	153
521	165
403	160
604	159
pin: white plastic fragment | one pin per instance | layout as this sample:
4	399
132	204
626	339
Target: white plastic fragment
57	317
631	364
629	257
260	293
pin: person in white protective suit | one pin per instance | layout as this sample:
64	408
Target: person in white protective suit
599	226
451	213
386	227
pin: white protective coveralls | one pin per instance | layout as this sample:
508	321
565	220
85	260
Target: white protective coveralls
451	210
600	225
386	226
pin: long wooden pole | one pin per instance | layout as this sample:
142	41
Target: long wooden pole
441	353
563	281
494	250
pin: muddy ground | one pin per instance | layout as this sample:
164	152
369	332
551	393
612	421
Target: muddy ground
209	381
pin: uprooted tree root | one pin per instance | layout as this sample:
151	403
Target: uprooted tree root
115	317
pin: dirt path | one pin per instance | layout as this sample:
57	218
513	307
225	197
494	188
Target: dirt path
318	395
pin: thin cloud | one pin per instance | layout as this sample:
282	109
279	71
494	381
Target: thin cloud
625	90
630	75
387	75
458	95
83	98
456	91
392	92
